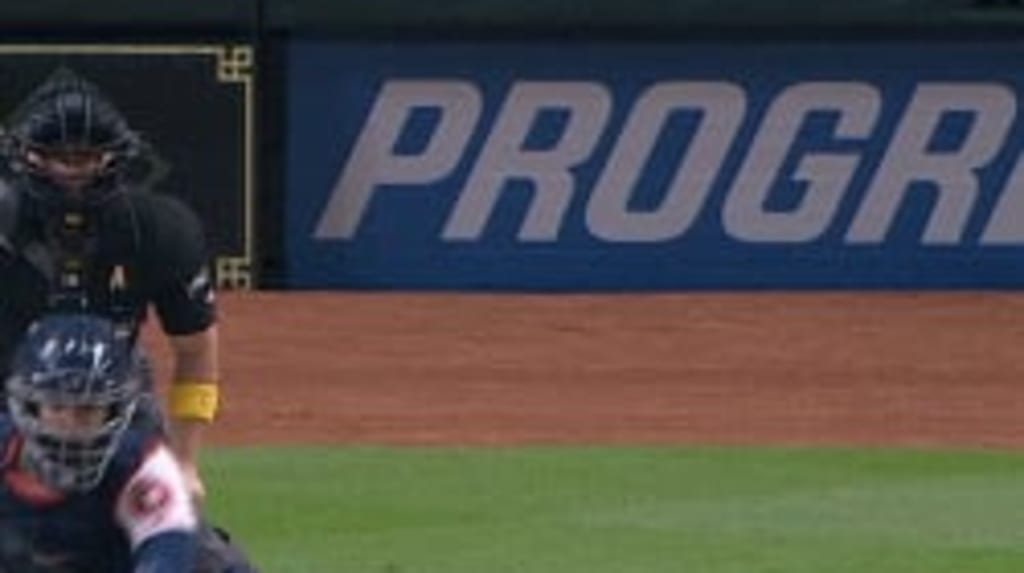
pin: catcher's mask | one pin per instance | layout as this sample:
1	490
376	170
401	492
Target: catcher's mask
73	388
70	143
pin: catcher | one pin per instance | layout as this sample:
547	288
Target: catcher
83	490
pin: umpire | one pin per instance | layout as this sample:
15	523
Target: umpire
76	236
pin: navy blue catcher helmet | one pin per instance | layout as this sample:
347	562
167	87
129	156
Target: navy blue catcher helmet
64	362
67	114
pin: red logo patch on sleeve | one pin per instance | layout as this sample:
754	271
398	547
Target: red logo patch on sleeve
148	497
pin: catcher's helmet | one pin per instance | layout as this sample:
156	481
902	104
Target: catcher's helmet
68	121
73	388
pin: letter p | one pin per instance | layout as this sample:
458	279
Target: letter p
375	161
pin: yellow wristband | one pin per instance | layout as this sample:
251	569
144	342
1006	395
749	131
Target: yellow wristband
194	400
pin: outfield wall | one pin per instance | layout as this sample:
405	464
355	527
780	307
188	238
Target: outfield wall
655	166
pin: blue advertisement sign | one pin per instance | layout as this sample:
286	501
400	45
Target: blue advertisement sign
602	167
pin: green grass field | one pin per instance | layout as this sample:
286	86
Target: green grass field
621	510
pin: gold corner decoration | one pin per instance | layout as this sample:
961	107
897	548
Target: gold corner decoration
233	273
234	64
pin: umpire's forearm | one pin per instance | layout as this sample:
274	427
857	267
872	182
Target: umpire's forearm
196	356
187	439
196	365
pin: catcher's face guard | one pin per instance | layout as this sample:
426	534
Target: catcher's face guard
74	386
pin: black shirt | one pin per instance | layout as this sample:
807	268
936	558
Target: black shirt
148	251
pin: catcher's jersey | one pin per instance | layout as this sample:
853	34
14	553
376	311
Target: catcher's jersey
142	496
148	249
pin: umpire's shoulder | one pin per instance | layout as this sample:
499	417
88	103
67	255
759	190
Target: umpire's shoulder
163	209
166	222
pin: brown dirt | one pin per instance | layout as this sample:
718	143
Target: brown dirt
913	369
